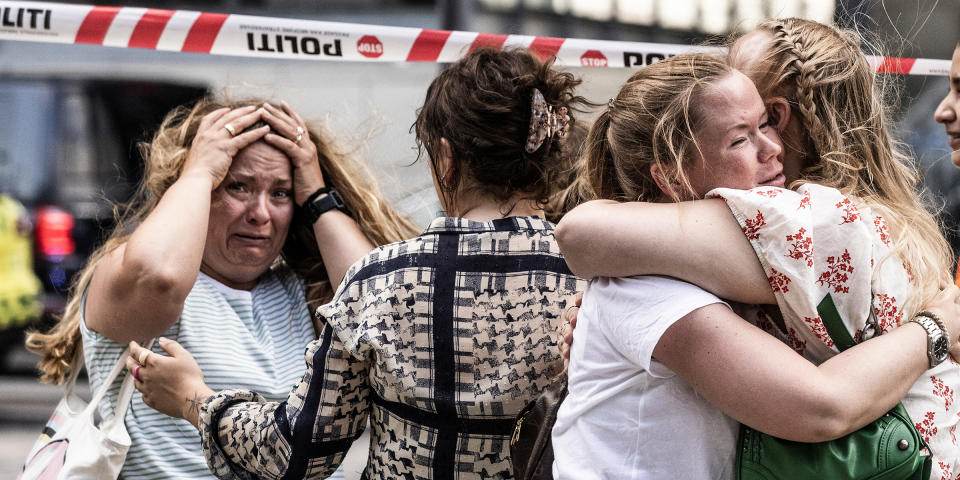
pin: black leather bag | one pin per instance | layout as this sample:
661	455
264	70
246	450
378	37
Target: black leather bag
530	448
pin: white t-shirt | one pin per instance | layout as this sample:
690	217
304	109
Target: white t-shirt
628	416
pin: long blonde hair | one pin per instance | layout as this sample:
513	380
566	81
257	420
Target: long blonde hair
164	158
653	120
826	77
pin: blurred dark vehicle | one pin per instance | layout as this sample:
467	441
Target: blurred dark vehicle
68	154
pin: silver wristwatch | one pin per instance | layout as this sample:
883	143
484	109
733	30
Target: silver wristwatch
938	345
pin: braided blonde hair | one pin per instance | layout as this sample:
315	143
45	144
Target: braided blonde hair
823	73
164	158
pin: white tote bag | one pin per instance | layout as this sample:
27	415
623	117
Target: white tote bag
72	446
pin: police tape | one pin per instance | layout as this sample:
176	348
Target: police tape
269	37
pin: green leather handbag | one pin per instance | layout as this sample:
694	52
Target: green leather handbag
889	448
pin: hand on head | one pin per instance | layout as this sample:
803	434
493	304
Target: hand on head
219	137
172	385
290	135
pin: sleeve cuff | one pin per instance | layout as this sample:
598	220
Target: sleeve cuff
208	421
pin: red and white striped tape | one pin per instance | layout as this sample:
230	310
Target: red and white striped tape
268	37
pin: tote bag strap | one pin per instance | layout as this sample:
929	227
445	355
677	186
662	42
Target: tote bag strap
126	388
75	365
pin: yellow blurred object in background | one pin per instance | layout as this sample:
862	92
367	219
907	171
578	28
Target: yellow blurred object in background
20	288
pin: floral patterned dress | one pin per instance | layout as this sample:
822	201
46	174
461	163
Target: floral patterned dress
815	241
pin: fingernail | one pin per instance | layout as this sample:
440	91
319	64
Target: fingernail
163	339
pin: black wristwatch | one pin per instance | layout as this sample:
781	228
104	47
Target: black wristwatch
318	204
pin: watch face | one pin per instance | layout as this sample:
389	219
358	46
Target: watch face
941	348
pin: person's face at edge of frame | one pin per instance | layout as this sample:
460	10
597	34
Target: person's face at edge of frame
741	146
745	55
250	215
948	111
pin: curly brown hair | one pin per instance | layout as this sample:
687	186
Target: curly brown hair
481	106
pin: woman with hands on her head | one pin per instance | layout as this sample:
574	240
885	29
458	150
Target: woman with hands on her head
195	259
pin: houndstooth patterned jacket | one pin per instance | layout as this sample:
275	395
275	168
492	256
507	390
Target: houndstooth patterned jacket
441	340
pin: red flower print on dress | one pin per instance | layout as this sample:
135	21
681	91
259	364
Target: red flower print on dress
778	281
769	193
838	273
887	312
805	201
943	391
858	335
795	342
764	323
752	227
882	229
953	434
926	428
947	471
816	325
850	212
802	248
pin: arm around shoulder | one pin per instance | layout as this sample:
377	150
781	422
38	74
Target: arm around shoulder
699	242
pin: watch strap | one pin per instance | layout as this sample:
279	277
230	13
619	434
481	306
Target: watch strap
936	318
934	334
323	204
313	196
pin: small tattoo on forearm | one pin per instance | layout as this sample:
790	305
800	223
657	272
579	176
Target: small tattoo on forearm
195	403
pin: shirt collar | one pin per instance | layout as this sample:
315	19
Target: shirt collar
509	224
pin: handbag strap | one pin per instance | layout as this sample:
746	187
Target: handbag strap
75	365
111	377
834	324
126	388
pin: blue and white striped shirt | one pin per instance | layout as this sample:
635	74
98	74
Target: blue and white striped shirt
242	339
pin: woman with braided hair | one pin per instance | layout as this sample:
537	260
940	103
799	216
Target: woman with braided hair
851	226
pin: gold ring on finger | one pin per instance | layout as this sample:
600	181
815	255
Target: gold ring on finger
299	135
229	128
